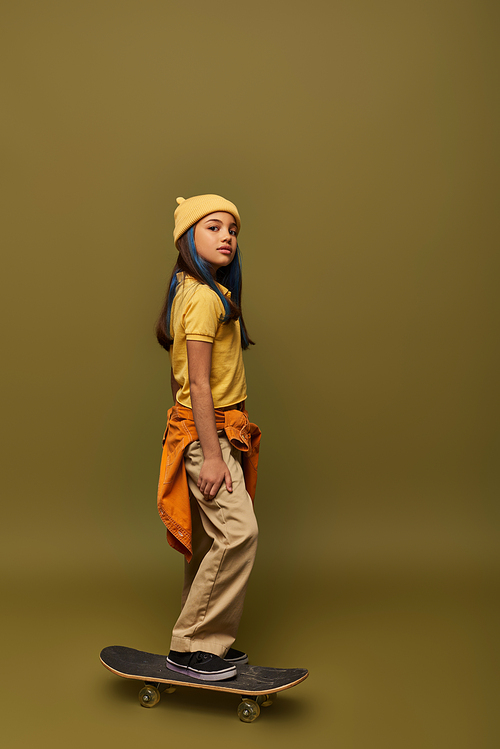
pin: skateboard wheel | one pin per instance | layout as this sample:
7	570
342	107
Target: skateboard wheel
149	696
248	710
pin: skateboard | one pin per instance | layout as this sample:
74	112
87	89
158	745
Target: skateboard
257	685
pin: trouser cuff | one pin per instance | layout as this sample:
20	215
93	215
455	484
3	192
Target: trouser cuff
186	645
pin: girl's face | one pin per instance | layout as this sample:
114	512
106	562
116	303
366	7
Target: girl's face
215	237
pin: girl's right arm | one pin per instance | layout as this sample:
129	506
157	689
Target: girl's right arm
214	470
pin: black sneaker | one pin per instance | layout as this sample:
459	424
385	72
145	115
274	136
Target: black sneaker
200	665
236	656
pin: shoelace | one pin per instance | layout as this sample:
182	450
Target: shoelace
202	657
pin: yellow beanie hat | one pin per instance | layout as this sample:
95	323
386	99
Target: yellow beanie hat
189	211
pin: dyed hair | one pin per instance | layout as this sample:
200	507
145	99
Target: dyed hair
190	263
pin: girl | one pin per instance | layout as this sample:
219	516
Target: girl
209	463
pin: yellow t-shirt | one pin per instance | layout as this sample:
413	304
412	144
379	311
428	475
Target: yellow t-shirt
196	312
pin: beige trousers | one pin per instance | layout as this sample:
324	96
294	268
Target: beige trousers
224	545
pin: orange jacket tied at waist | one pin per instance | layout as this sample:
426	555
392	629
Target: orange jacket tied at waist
173	491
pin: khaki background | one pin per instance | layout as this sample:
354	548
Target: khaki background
360	141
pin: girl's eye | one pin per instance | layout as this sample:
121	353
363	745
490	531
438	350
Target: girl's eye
213	228
233	231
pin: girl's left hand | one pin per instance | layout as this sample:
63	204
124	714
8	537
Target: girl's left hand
213	473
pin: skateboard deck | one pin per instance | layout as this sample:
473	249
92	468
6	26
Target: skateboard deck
256	684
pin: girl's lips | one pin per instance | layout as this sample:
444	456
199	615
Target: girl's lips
225	250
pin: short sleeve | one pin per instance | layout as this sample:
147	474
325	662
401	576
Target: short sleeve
202	315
